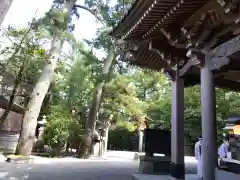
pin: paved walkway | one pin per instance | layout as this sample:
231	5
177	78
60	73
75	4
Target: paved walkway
69	168
111	167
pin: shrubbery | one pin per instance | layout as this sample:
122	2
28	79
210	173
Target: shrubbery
61	129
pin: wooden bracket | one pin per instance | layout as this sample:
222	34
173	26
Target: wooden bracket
170	74
128	56
219	56
194	61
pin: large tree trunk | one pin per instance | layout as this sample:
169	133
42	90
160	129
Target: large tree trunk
4	7
91	122
29	124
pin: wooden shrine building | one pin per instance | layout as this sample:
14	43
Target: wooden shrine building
192	42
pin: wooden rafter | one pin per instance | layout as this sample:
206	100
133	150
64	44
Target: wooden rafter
172	10
172	42
140	19
168	53
161	54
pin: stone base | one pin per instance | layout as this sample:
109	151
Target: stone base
177	171
234	168
160	177
96	148
157	165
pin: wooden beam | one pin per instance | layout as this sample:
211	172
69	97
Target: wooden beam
214	39
163	46
219	56
191	62
220	82
211	5
218	10
204	27
227	84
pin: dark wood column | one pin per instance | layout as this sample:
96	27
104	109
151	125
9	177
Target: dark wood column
209	149
177	167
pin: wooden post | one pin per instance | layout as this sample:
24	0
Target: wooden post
106	140
209	149
177	166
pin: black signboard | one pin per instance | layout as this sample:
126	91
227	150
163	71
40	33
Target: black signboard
157	141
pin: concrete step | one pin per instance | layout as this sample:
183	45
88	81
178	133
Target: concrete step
220	175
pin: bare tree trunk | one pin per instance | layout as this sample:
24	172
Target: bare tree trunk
91	122
29	124
4	7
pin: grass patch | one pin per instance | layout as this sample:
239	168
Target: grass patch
18	158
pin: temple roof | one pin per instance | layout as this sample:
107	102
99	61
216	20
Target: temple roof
145	16
158	34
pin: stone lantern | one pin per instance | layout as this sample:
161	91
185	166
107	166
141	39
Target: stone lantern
39	145
41	128
141	127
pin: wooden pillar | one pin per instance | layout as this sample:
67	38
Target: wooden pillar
209	149
177	166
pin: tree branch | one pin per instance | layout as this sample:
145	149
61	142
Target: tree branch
90	11
4	32
21	41
23	38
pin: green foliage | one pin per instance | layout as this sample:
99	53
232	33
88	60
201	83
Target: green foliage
76	83
130	126
120	97
123	136
57	129
62	128
25	48
23	58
